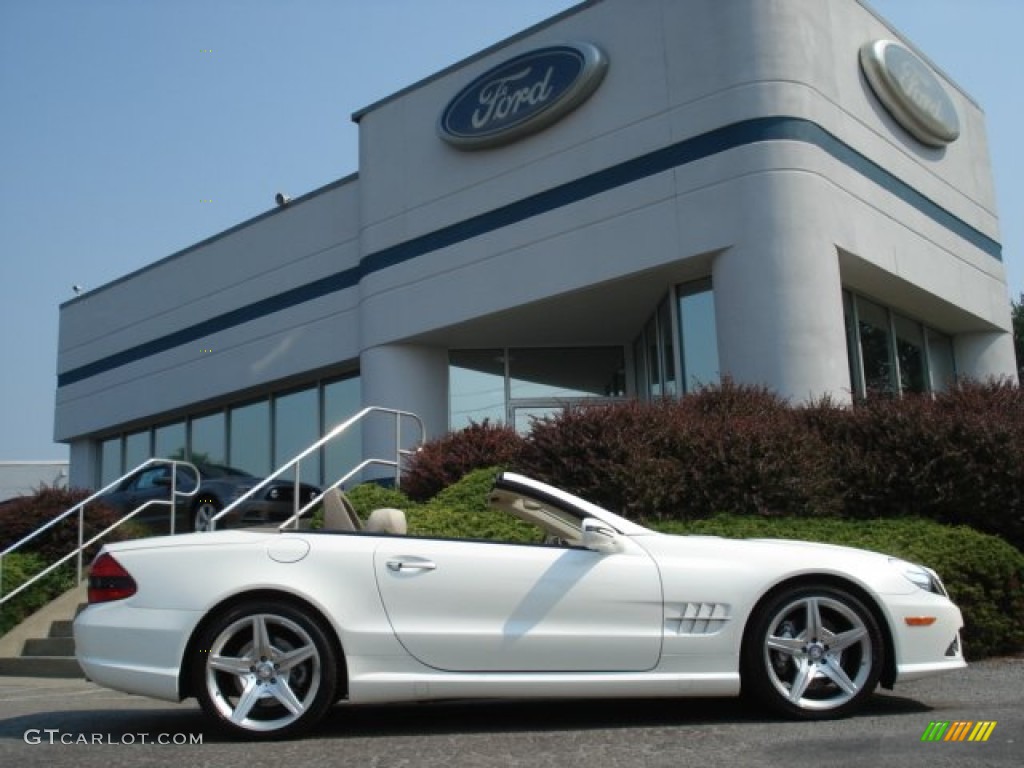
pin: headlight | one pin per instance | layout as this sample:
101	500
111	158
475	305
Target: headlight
922	577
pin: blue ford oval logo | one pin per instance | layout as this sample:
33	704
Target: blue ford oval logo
523	95
910	92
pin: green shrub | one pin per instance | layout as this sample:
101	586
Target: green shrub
15	570
370	496
983	574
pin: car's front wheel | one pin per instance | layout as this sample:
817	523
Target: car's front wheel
813	653
267	670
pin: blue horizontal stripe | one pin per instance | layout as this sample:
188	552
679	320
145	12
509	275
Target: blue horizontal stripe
661	160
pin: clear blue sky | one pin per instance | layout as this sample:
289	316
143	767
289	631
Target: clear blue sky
130	129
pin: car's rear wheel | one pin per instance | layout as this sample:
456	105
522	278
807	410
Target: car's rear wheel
267	670
813	653
203	512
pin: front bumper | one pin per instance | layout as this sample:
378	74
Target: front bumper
925	633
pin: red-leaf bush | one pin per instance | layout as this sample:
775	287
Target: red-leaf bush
21	516
445	461
726	448
956	458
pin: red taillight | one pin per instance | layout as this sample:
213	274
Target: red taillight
108	580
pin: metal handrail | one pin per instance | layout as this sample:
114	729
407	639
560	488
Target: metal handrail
336	432
80	509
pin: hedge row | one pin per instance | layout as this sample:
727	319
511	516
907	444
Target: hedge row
22	516
26	514
956	458
15	570
984	575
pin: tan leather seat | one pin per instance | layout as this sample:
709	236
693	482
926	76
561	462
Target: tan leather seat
339	514
387	520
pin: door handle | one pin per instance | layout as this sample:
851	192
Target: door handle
411	565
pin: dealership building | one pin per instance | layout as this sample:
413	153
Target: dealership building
630	200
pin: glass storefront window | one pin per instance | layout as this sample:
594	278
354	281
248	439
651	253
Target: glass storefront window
568	373
652	354
209	439
110	461
515	385
668	352
699	331
169	441
875	347
136	449
296	427
892	354
940	361
250	438
476	387
910	354
342	400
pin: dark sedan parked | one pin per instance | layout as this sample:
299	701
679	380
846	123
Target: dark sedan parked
219	487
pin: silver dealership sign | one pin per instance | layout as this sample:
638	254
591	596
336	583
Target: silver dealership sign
911	92
522	95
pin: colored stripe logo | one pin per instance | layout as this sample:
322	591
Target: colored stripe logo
958	730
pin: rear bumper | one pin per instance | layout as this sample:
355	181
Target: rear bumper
134	650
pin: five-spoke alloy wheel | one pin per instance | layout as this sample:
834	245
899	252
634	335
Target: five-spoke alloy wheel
202	513
813	653
266	670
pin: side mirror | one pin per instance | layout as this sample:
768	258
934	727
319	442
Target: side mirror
599	537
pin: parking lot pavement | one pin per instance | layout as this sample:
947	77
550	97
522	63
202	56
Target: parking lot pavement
74	723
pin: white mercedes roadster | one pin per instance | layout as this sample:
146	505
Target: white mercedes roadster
269	629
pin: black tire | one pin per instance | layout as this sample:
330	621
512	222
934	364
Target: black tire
202	511
267	670
812	653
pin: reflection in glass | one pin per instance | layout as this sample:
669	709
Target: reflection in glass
524	416
668	352
296	427
640	365
476	387
169	441
342	400
654	377
910	354
136	449
941	361
209	440
569	373
876	348
250	438
699	331
110	461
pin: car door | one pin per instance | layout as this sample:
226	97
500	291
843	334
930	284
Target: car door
497	607
148	484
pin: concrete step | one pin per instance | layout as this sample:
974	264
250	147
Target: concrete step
49	646
40	666
42	645
62	628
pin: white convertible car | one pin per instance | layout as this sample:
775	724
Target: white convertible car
269	629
